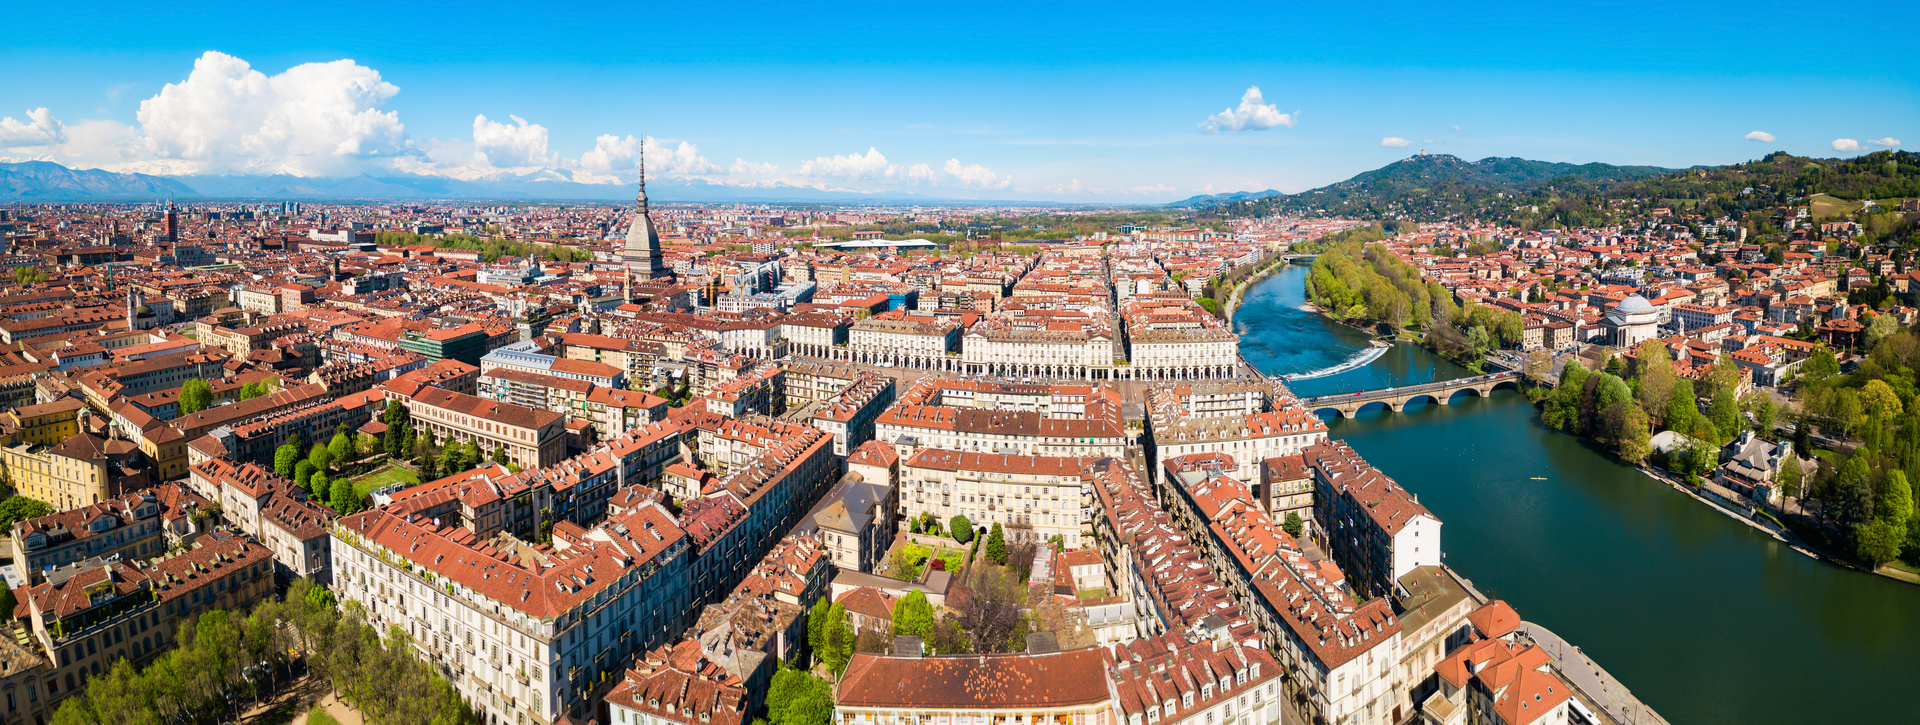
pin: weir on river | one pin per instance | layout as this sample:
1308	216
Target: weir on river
1704	619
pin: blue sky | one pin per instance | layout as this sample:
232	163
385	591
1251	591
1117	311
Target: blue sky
1105	102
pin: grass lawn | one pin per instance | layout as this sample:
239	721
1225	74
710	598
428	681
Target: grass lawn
1821	206
281	714
317	716
385	477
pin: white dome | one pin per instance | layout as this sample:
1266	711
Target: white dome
1633	305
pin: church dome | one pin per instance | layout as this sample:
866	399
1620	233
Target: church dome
143	311
1634	305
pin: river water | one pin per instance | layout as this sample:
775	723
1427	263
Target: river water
1704	618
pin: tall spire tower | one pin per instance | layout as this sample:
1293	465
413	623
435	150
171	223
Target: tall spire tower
642	251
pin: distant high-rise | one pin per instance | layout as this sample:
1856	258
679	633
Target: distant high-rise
173	225
642	251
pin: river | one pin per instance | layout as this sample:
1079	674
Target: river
1707	620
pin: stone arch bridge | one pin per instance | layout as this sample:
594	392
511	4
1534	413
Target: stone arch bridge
1346	405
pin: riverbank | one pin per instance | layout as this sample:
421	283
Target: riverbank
1691	611
1232	304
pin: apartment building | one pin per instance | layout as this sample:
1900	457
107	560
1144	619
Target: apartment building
1009	418
855	520
1070	686
849	416
527	633
87	616
898	338
1033	498
273	510
1374	528
1242	419
532	437
1174	679
678	686
138	525
81	470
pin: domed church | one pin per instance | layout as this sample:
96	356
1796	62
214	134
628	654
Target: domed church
1631	322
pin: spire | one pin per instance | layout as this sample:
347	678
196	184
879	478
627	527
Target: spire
642	201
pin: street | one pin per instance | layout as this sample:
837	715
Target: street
1594	682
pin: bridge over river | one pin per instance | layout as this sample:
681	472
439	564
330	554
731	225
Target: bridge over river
1396	399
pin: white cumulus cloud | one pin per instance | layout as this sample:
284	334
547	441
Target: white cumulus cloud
611	154
616	159
1394	142
313	119
682	159
1761	136
1889	142
511	145
1253	114
974	176
40	129
1845	144
871	165
753	168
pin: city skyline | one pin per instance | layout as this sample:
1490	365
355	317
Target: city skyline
1122	105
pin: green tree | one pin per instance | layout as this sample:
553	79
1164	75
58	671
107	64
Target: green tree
997	544
1879	541
287	455
913	615
1879	329
341	448
817	625
500	455
453	459
961	529
1655	375
837	638
799	698
1818	368
397	419
343	500
1761	406
303	472
1293	525
1846	411
1882	407
319	456
1627	427
1562	409
1683	409
1896	500
320	487
20	508
195	396
1725	413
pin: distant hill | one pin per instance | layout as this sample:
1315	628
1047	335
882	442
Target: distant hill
1210	200
48	181
1437	187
